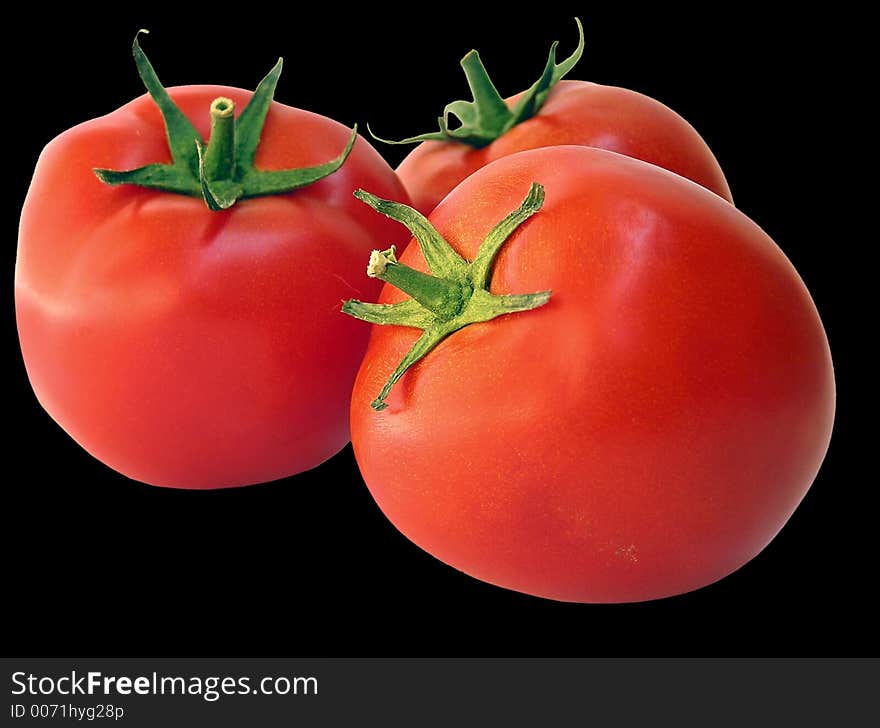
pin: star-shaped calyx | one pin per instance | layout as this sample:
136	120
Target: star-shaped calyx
454	295
479	122
221	171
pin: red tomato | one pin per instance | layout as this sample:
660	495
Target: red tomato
188	347
572	112
645	432
576	112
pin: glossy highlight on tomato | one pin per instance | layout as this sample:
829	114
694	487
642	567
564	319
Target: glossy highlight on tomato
645	432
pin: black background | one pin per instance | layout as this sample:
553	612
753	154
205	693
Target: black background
95	564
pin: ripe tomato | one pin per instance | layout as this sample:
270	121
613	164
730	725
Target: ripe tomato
643	433
185	346
552	112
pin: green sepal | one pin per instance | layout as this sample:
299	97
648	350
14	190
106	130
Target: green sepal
154	176
442	303
406	313
249	124
222	171
442	260
480	270
533	99
181	134
428	340
258	183
485	118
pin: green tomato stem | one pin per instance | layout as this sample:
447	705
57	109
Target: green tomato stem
220	153
455	296
441	297
221	172
487	116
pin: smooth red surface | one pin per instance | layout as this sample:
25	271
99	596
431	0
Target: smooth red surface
191	348
646	432
576	112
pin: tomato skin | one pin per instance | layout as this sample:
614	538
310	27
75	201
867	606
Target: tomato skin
646	432
191	348
576	112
